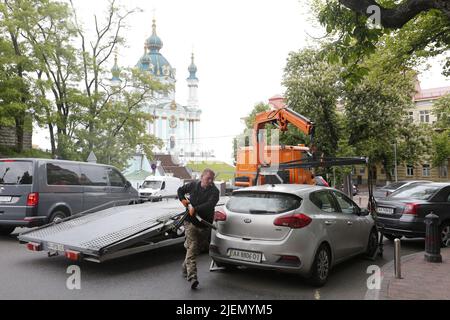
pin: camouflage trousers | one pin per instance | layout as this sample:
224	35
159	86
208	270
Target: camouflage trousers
196	242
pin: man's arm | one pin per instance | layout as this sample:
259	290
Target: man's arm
187	188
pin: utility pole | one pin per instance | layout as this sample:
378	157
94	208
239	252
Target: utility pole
395	159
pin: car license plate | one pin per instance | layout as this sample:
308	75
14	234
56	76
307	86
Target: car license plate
55	247
245	255
5	199
383	210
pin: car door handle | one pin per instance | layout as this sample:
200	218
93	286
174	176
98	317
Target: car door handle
329	222
349	223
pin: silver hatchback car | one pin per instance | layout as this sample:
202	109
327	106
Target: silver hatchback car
302	229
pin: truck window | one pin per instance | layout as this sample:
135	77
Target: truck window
14	172
115	178
94	176
63	174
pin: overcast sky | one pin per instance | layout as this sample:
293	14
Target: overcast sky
240	50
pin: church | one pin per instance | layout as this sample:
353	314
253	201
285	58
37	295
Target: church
177	125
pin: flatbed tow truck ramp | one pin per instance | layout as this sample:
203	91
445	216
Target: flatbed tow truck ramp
111	233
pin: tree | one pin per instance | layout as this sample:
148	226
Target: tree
313	88
15	65
72	91
410	29
441	137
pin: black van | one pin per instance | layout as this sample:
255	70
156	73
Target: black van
34	192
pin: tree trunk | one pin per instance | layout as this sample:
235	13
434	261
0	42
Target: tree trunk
20	122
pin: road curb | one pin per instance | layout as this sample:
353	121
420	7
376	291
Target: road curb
387	274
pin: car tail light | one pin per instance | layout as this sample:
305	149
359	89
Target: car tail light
7	160
295	221
33	199
220	216
412	209
33	246
72	255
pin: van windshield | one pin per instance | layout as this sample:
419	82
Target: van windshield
14	172
152	184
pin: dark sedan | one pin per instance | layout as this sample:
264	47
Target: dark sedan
404	211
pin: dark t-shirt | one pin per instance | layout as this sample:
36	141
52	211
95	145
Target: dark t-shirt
203	200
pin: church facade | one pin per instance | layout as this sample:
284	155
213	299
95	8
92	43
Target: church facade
177	125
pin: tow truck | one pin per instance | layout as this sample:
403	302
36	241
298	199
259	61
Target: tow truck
112	233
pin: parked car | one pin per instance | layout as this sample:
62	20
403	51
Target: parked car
302	229
404	211
155	188
383	192
34	192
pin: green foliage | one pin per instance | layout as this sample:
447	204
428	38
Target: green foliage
50	68
313	89
352	38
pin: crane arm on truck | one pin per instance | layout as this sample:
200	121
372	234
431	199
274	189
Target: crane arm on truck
280	118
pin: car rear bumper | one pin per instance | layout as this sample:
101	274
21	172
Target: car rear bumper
408	226
26	222
295	245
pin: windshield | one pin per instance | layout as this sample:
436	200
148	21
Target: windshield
152	184
263	203
16	172
419	192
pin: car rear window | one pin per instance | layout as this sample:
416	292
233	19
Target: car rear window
263	203
419	192
13	172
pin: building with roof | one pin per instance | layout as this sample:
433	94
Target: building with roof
176	124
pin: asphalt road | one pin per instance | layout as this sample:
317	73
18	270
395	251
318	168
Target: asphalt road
157	275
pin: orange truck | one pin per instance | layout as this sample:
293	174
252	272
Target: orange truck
274	164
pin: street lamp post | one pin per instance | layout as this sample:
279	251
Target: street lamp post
395	159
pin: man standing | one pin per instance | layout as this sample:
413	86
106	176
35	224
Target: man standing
202	200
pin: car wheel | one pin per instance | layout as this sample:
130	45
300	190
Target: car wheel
445	234
372	244
6	231
57	216
391	237
321	266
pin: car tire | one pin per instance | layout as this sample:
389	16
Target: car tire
445	233
6	231
391	237
57	216
321	266
372	244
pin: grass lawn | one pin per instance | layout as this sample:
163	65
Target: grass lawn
223	170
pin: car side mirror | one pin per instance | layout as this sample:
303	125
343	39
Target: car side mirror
364	212
127	185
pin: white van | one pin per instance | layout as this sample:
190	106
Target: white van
156	188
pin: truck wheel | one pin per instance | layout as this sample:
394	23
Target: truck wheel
6	231
321	267
57	216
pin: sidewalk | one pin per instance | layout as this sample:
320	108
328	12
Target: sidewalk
421	280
